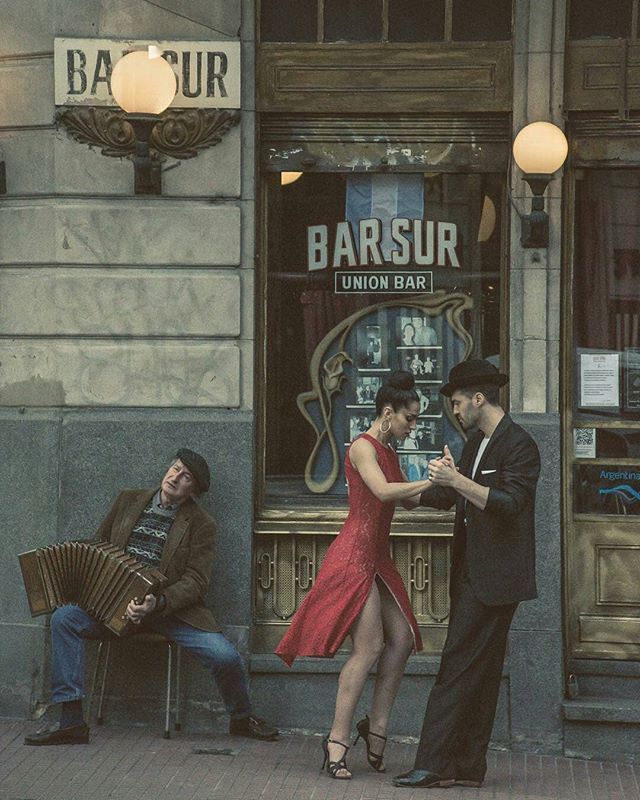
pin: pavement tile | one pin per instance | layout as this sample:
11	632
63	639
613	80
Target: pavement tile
137	764
628	781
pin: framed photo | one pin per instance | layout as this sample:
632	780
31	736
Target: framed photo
414	465
430	400
359	423
371	347
366	389
424	364
425	438
416	330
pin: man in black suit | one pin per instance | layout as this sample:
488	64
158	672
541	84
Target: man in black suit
492	570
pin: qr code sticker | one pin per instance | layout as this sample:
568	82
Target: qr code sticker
585	436
584	440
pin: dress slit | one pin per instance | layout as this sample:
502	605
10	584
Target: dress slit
399	604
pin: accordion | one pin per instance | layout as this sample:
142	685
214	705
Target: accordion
98	576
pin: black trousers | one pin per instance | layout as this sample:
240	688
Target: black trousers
462	704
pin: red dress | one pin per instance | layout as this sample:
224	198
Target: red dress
355	557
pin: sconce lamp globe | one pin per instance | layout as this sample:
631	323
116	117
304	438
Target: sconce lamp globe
289	177
540	148
143	83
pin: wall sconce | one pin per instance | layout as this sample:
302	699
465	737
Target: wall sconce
539	150
144	128
143	85
289	177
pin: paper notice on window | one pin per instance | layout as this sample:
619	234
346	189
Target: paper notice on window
599	380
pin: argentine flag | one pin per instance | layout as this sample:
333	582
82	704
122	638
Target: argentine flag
384	197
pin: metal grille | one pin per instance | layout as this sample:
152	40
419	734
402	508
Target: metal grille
287	565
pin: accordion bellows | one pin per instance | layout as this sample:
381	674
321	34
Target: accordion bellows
98	576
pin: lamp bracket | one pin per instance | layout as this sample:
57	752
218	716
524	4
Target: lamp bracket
179	133
538	182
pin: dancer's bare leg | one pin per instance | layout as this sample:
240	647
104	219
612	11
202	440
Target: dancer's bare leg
398	643
368	642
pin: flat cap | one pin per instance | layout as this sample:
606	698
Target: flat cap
197	466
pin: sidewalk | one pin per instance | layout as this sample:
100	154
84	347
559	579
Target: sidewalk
138	764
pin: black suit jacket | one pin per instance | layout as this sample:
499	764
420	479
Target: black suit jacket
499	542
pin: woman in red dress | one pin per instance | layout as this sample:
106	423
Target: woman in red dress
358	590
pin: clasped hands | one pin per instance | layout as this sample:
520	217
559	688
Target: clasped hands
443	470
136	612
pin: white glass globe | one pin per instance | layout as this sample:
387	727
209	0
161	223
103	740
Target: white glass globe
289	177
143	83
540	148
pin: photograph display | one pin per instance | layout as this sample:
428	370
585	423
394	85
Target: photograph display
399	338
427	437
415	466
425	365
358	424
366	389
430	400
417	331
370	347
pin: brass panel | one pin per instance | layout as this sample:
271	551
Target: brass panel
286	566
371	78
602	76
310	522
602	567
615	630
358	78
618	569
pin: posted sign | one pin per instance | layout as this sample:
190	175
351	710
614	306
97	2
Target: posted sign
208	73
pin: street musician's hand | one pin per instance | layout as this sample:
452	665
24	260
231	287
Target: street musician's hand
136	612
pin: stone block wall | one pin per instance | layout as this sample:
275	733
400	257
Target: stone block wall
126	323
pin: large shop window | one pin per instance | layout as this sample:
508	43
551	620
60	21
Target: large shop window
606	299
367	273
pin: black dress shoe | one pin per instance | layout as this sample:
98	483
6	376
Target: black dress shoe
76	734
254	727
422	778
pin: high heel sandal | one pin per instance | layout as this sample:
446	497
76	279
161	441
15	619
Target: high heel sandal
364	732
333	767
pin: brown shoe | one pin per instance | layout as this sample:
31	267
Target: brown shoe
254	728
76	734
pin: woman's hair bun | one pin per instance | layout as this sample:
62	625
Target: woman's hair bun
401	379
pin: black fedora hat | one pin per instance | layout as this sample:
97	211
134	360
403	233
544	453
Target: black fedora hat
473	372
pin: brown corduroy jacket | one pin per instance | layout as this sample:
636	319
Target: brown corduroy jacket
187	557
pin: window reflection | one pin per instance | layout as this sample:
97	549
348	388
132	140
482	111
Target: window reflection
607	293
329	226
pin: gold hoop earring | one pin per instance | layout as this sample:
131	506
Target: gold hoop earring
388	428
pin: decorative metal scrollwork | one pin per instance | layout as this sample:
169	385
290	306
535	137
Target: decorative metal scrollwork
100	127
183	134
178	134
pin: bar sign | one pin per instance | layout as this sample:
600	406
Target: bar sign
379	282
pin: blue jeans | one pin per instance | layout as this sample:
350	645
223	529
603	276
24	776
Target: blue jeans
71	625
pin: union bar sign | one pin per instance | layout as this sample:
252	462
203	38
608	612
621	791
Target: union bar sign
207	73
